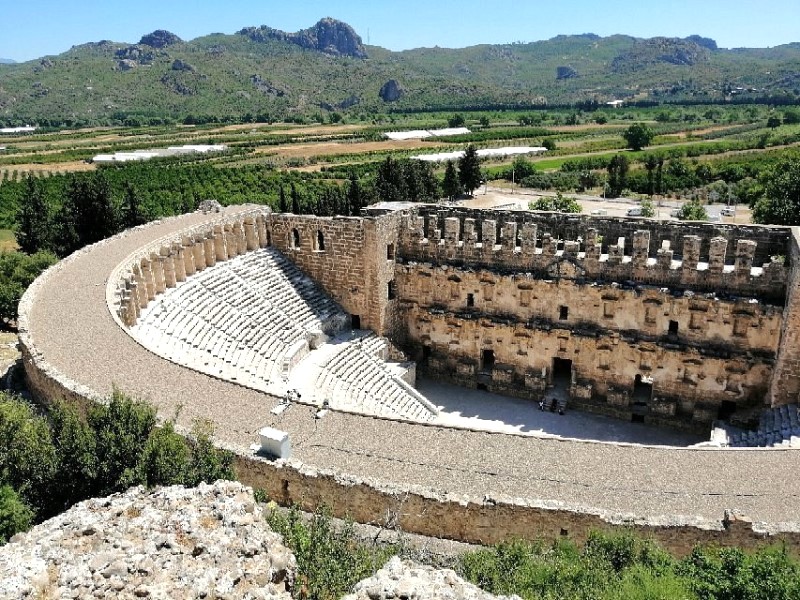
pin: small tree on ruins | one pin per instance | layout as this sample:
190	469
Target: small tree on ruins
451	186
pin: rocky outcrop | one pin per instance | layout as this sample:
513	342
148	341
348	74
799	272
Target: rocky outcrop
160	38
126	65
410	581
328	35
266	87
209	541
646	53
136	53
180	65
391	91
565	72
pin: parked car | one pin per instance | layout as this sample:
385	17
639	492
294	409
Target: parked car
634	212
675	213
728	211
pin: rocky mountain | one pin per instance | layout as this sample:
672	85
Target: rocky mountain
7	61
206	542
328	35
271	73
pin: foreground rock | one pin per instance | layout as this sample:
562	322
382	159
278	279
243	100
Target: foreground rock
209	541
410	581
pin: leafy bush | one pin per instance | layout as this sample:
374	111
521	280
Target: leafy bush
559	203
330	559
15	515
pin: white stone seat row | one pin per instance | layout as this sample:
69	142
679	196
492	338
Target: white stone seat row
778	426
356	379
239	319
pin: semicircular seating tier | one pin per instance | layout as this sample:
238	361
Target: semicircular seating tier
257	320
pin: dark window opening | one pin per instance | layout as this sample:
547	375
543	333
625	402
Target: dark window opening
726	410
355	321
673	328
426	352
498	234
564	532
391	290
389	251
483	387
637	418
487	360
642	390
320	241
295	238
269	238
470	300
563	313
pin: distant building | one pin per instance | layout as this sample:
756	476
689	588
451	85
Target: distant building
615	103
25	129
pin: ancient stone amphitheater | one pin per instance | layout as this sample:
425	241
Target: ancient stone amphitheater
317	327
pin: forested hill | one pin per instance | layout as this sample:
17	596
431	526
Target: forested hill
327	68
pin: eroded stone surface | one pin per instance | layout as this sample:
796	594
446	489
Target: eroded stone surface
209	541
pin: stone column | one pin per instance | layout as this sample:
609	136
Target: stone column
199	252
691	252
238	234
745	252
209	250
549	246
250	234
716	255
231	245
158	273
641	249
179	262
593	251
261	227
529	231
140	287
220	253
508	238
149	282
488	237
451	230
665	254
168	263
188	256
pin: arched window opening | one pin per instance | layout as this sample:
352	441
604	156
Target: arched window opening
295	238
320	241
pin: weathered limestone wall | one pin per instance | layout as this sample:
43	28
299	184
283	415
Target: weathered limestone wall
485	520
670	255
785	386
740	325
688	384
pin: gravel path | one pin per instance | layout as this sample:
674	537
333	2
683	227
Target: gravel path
73	329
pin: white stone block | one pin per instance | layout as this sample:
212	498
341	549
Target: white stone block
275	442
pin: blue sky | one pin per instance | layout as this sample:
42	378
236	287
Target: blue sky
40	27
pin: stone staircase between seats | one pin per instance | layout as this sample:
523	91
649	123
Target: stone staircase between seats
778	427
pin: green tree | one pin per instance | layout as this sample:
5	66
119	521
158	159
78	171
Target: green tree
648	210
638	136
456	120
390	184
693	211
33	219
549	144
774	122
87	214
283	206
132	211
355	201
451	186
791	117
207	462
780	204
75	475
15	515
121	430
27	454
484	121
17	272
469	170
557	203
617	175
295	196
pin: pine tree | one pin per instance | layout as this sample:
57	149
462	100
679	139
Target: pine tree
469	170
451	185
283	206
354	196
33	229
295	200
132	214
